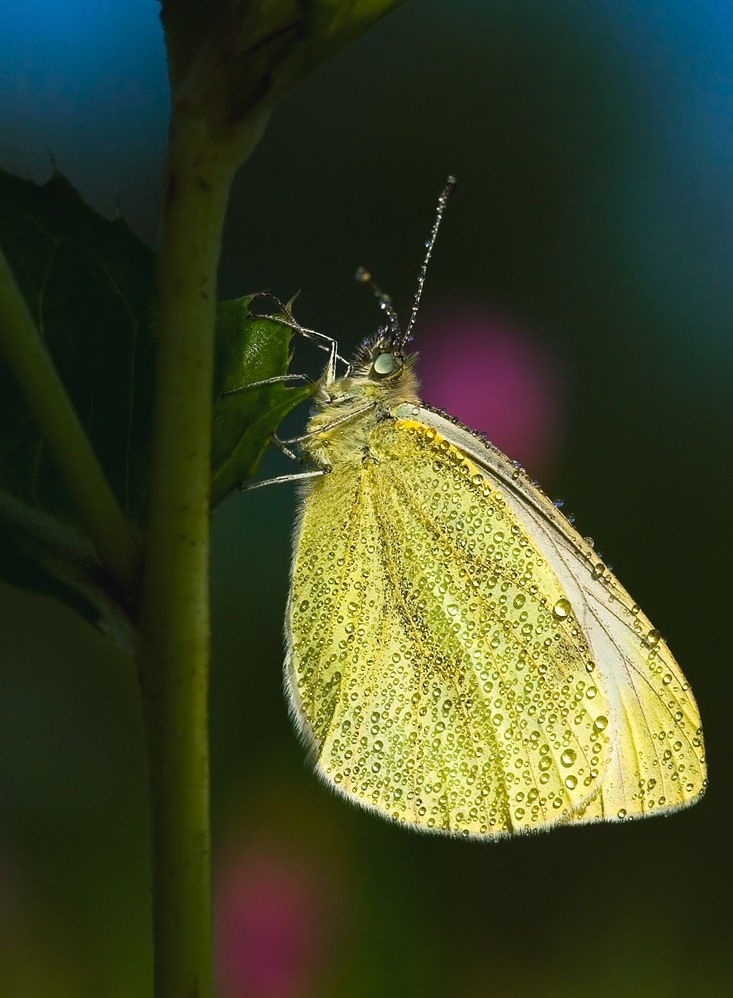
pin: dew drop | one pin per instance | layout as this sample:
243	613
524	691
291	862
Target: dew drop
653	637
571	782
600	723
562	608
568	757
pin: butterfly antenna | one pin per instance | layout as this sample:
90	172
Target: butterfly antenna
385	303
450	186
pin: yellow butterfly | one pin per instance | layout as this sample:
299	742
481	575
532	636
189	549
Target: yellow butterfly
458	658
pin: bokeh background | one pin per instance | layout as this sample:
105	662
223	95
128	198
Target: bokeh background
579	311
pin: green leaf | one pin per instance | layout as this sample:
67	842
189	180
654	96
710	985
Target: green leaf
249	349
40	554
89	282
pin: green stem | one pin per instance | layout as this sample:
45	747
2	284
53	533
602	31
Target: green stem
112	534
174	615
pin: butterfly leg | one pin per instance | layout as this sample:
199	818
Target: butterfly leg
282	446
297	477
330	426
321	340
279	380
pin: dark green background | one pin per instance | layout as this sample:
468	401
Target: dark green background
593	146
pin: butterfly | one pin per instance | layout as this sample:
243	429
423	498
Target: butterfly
458	658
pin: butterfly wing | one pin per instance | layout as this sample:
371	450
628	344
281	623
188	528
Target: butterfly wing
656	760
437	663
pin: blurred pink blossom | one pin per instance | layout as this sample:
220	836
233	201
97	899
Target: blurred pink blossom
269	925
495	377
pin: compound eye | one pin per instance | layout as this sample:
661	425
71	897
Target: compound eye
385	365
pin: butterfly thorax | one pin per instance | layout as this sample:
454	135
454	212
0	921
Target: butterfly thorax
348	409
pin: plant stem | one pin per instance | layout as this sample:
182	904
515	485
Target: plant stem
173	645
113	536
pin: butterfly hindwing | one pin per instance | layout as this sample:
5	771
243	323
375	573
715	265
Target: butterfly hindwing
657	762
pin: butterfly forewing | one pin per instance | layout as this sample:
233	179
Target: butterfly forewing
657	758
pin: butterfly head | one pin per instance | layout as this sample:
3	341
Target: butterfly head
383	360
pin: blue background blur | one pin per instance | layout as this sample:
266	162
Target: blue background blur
594	147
